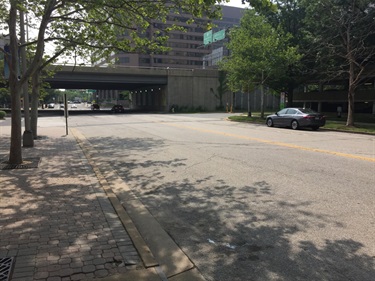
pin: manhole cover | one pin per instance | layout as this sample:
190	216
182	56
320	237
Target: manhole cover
27	163
6	265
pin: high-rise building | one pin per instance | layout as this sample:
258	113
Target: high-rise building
186	48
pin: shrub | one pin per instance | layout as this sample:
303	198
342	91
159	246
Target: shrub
2	114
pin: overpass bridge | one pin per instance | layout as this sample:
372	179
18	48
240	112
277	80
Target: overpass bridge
157	89
151	88
103	78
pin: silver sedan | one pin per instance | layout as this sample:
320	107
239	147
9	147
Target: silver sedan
296	118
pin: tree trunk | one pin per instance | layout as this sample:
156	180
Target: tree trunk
28	140
262	101
15	154
262	97
35	104
290	95
351	92
248	103
350	119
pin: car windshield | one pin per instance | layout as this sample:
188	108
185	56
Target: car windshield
307	110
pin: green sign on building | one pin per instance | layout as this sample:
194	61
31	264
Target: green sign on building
207	37
220	35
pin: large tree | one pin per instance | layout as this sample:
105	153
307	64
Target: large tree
259	54
288	15
343	34
82	28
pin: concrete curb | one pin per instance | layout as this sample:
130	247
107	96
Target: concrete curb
153	244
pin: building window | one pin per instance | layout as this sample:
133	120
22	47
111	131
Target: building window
144	60
124	60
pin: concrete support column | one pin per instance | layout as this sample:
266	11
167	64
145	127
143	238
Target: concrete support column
373	108
320	106
148	98
137	99
99	95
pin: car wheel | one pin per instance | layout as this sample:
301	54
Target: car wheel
269	122
315	128
295	125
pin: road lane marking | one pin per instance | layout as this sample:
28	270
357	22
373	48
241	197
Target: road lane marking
282	144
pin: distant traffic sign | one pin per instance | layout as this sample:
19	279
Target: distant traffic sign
207	37
220	35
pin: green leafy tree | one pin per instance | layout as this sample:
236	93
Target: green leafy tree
260	54
343	34
288	16
4	97
85	29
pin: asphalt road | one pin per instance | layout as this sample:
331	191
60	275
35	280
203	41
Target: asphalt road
248	202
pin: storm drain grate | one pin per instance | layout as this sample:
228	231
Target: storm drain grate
27	163
6	265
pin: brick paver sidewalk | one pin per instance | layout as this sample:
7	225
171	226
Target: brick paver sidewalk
56	220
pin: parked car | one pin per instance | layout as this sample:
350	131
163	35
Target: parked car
73	105
51	105
296	118
95	106
118	108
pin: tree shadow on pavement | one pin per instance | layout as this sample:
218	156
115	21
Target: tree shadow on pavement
231	231
57	221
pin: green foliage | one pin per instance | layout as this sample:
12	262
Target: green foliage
4	96
93	30
125	95
2	114
90	30
55	95
341	32
259	53
185	109
289	15
264	7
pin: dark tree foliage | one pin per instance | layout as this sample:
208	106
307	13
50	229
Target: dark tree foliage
342	33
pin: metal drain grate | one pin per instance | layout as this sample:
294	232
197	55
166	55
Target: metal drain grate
6	265
27	163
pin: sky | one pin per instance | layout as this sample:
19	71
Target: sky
236	3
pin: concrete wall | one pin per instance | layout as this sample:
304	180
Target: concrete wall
191	89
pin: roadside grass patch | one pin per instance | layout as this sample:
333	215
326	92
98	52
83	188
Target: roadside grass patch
368	128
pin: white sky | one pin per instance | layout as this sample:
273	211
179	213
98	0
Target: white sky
236	3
